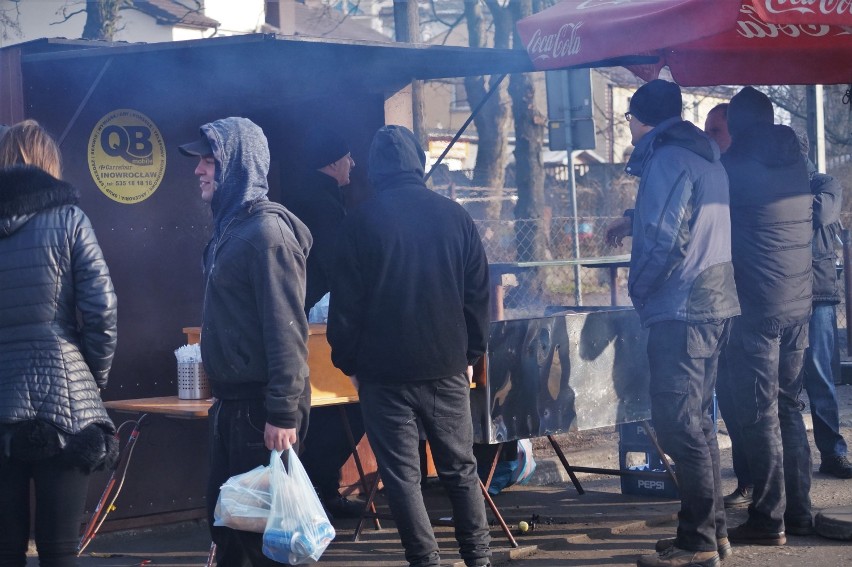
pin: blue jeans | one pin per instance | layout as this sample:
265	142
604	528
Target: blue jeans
766	375
821	358
683	359
392	412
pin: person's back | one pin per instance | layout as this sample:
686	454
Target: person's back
408	316
771	236
770	223
419	254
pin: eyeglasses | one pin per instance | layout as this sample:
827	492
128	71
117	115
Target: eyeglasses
628	116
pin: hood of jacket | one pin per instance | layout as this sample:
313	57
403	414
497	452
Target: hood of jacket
242	164
772	145
672	132
25	191
396	158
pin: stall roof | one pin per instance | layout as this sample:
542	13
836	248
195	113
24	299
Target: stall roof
286	62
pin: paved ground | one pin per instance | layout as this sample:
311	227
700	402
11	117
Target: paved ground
600	528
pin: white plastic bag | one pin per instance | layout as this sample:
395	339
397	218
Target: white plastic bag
298	530
244	501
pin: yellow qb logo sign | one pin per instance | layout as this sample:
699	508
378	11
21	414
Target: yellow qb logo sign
127	156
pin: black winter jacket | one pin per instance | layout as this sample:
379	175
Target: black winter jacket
52	362
254	329
409	300
828	193
771	227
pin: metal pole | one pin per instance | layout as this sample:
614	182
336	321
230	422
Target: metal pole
572	182
847	280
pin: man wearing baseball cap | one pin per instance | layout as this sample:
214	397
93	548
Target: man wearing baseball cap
254	330
682	285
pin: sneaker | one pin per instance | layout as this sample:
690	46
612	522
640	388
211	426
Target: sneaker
748	535
342	507
838	466
739	498
723	544
677	557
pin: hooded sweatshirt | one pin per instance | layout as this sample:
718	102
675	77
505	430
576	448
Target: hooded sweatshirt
771	224
680	266
409	299
254	329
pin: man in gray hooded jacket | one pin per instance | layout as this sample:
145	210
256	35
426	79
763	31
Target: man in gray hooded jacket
254	329
682	285
408	316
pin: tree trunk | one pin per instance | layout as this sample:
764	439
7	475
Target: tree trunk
530	230
406	18
102	18
493	118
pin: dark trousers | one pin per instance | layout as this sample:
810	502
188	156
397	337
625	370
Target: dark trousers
727	407
326	448
683	359
442	408
766	375
60	494
821	358
236	446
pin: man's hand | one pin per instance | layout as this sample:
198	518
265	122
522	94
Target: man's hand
278	438
469	373
354	379
617	230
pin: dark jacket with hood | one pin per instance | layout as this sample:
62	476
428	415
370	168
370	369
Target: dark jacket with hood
828	196
410	296
680	265
771	224
254	329
318	203
52	361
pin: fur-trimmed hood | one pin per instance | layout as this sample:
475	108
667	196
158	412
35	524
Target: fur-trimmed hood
25	191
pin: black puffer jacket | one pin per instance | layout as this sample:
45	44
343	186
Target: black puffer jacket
827	192
771	226
52	269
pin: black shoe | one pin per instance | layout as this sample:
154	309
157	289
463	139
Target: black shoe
747	535
800	528
723	545
739	498
342	507
838	466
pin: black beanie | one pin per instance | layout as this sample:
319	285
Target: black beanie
747	108
324	147
656	101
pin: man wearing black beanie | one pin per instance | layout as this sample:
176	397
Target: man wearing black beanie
771	234
318	202
682	285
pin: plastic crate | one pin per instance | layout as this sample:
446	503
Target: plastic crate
656	483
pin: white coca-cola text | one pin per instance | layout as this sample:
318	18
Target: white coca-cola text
825	7
751	26
563	43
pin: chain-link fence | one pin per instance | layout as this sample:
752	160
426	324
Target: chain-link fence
536	259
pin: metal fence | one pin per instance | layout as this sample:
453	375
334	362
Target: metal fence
528	291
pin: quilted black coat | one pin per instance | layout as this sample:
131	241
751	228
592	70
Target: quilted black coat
57	307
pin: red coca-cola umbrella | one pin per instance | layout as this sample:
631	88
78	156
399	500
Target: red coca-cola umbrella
703	42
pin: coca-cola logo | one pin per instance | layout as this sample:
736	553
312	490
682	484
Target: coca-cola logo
750	26
825	7
563	43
